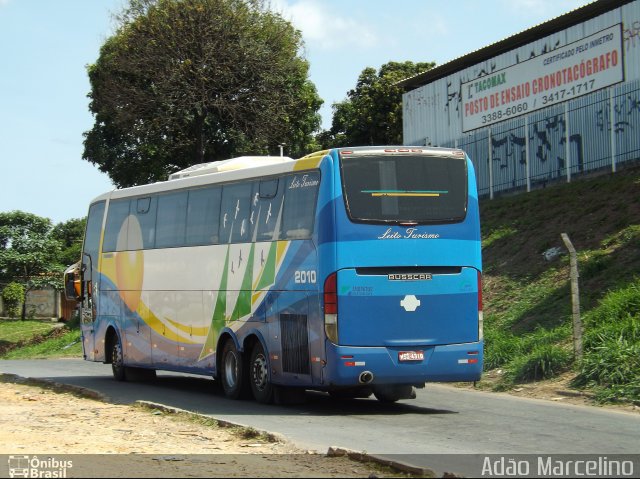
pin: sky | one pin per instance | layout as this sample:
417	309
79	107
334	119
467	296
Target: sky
45	46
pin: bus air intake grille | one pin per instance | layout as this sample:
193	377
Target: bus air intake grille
295	343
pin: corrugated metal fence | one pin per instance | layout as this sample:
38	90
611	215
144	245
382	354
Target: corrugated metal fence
598	132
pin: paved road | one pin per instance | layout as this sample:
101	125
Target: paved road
432	430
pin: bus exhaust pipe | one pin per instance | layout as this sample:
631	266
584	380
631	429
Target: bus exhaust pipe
365	377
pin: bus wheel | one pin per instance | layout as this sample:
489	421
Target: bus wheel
259	375
117	361
389	394
232	370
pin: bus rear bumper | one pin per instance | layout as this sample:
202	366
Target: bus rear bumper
402	365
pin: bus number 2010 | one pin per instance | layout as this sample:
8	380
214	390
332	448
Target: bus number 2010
304	277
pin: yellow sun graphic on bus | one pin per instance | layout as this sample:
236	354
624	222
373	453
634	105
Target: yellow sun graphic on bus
130	264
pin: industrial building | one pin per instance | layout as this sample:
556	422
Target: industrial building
553	102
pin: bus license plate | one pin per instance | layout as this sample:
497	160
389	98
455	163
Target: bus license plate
405	356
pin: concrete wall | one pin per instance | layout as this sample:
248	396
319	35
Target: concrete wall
41	303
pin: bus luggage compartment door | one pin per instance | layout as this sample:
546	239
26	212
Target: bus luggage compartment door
407	306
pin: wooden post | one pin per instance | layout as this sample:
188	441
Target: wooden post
575	298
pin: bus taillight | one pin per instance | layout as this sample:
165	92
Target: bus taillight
331	307
480	315
331	294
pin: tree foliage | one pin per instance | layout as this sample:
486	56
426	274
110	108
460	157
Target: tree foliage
26	247
70	235
187	81
29	255
372	112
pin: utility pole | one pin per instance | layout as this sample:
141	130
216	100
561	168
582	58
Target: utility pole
575	298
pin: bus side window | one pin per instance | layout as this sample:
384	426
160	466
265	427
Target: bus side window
120	234
235	214
92	236
116	226
269	208
145	213
87	271
172	220
301	192
203	213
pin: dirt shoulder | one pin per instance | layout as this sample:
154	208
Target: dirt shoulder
37	420
558	390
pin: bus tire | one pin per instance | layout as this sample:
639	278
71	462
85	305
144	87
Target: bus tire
117	361
390	394
261	386
232	371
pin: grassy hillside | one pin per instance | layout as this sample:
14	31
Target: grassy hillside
38	339
527	297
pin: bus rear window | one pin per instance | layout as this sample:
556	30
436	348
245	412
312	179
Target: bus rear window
405	189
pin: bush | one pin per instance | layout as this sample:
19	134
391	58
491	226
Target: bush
12	297
542	336
616	306
504	347
611	362
500	347
543	362
613	369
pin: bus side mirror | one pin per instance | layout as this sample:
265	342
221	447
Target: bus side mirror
73	283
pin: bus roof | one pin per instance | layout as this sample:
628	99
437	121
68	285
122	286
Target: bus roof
246	167
238	163
234	169
402	150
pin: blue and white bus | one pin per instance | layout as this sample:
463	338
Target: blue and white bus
355	271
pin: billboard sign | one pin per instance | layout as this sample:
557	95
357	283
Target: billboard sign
568	72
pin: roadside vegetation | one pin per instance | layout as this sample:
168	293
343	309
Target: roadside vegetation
528	326
33	255
35	339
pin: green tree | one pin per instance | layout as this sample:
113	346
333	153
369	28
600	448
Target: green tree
190	81
372	112
28	253
70	235
12	297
